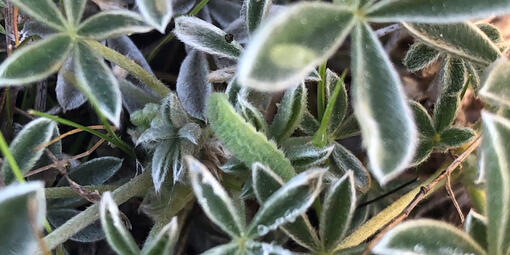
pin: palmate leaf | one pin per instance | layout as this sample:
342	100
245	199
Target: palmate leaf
215	202
386	122
206	37
117	235
494	163
97	82
22	210
290	112
36	61
423	237
44	11
287	203
243	140
495	88
157	13
74	10
23	147
435	11
255	11
115	23
462	39
290	45
165	241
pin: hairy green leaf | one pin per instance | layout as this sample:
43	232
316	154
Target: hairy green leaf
23	147
290	113
348	128
454	137
251	114
445	111
115	23
305	156
97	82
214	200
22	208
420	56
435	11
266	249
36	61
423	120
165	241
224	249
462	39
492	32
243	140
476	226
288	202
387	125
337	211
290	45
346	161
206	37
162	160
255	12
494	163
93	172
309	124
119	238
495	88
74	10
423	237
157	13
44	11
338	96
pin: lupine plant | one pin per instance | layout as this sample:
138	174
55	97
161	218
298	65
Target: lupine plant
254	127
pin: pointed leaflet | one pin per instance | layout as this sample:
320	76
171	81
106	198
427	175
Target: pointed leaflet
243	140
420	56
23	147
345	161
224	249
337	212
165	241
462	39
495	88
206	37
97	82
36	61
93	172
289	46
288	202
68	96
192	87
119	238
304	156
115	23
157	13
422	237
387	126
74	10
496	166
290	113
454	137
476	226
44	11
337	96
423	119
435	11
161	162
22	210
255	11
214	200
251	114
348	128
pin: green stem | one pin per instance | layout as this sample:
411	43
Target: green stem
68	192
171	36
136	187
117	142
321	91
132	67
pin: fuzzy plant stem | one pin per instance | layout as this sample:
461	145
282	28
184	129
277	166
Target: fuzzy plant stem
136	187
132	67
68	192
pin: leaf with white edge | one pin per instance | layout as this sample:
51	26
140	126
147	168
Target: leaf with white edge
90	234
306	155
492	32
97	82
288	202
68	96
454	137
255	11
266	183
157	13
22	208
338	209
206	37
346	161
462	39
93	172
445	110
251	114
420	56
309	124
74	10
161	162
291	44
36	61
23	147
215	201
387	126
115	23
173	112
225	249
494	163
474	74
423	151
243	140
476	226
190	132
44	11
423	119
348	128
435	11
290	112
165	241
119	238
340	99
453	75
192	87
495	88
266	249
